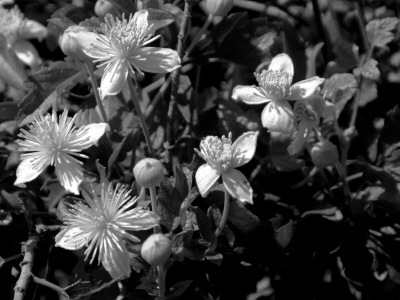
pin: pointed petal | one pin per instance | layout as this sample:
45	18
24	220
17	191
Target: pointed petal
244	148
87	136
116	260
26	172
249	95
205	179
140	19
282	62
237	185
27	53
114	79
31	29
156	60
140	220
305	88
93	44
69	173
278	117
71	238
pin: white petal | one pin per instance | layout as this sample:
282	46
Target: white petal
140	19
71	238
113	80
90	42
88	135
26	172
305	88
249	95
278	117
244	148
157	60
237	185
115	259
282	62
139	220
69	173
27	53
32	29
300	139
205	179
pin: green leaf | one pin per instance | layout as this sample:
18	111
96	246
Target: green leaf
379	32
369	92
169	202
68	15
347	54
125	6
204	223
178	289
159	18
283	232
8	111
243	219
80	287
369	70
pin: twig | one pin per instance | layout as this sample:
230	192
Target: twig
175	79
50	285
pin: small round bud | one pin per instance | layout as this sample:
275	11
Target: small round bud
73	41
156	249
148	172
219	7
103	7
324	154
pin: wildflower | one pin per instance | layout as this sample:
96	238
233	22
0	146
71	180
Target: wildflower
74	39
307	114
156	249
56	143
122	50
103	224
149	172
275	87
17	30
223	158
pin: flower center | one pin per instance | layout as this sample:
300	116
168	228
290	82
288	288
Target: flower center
217	152
274	84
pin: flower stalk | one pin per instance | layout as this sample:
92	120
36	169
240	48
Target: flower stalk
225	214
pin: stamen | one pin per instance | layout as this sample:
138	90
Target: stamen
275	84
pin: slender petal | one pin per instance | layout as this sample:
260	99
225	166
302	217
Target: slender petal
71	238
88	135
27	53
26	172
157	60
244	148
113	80
282	62
238	186
205	178
305	88
278	117
69	173
141	220
249	95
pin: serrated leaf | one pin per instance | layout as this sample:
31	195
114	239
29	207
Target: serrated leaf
369	70
379	32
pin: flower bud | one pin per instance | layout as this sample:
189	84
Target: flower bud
219	7
103	7
148	172
324	154
156	249
73	41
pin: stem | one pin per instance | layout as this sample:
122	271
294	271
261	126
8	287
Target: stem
50	285
89	67
145	129
326	50
153	197
361	24
161	282
225	214
199	35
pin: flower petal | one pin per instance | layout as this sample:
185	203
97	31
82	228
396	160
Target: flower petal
156	60
278	117
87	136
69	173
305	88
71	238
244	148
31	29
114	79
115	258
205	179
27	53
26	172
300	139
249	95
282	62
139	219
140	19
237	185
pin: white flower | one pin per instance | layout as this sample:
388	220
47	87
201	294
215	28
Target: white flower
103	224
122	50
223	158
17	30
51	142
275	87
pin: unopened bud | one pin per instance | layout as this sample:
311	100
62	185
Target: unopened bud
324	154
103	7
219	7
156	249
74	39
148	172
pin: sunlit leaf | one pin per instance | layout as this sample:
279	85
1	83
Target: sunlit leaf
379	31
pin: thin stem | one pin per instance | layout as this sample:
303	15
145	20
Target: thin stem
50	285
161	282
361	24
153	197
145	129
199	35
225	214
326	50
89	67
